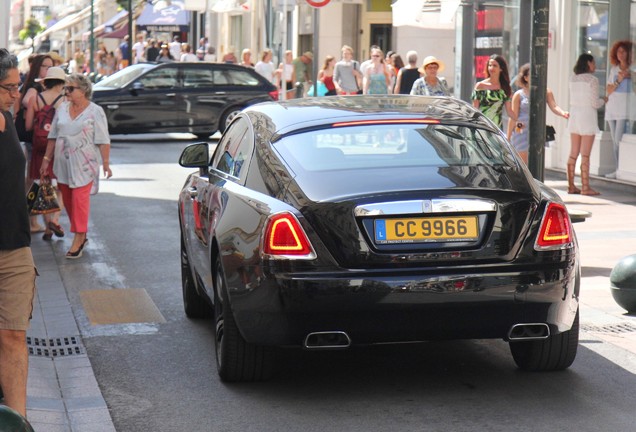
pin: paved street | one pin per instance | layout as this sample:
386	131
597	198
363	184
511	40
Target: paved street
112	349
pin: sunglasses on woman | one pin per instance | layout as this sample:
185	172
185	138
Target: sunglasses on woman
69	89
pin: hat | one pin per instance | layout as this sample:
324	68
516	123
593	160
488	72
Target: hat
53	72
309	55
56	57
431	59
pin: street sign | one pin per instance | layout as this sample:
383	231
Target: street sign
318	3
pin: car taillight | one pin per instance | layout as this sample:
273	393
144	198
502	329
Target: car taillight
274	94
285	237
556	228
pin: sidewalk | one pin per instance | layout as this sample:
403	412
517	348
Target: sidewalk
604	239
63	395
62	392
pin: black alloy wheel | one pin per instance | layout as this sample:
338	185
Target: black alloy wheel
236	360
194	305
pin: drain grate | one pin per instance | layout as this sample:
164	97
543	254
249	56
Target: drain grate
619	328
55	347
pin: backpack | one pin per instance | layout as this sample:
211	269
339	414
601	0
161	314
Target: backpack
42	122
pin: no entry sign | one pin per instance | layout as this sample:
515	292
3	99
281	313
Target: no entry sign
318	3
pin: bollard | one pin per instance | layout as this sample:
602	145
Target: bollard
623	283
11	421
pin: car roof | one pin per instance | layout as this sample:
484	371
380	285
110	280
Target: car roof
289	116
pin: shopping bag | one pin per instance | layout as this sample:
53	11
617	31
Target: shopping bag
31	195
322	90
45	200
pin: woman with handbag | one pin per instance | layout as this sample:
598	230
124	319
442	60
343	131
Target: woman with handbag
80	142
40	113
39	65
517	132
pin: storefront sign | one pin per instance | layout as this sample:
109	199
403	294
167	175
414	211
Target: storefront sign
489	42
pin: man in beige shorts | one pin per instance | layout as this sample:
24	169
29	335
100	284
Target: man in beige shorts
17	271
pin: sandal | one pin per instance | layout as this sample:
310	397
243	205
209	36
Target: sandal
77	253
57	229
590	192
47	236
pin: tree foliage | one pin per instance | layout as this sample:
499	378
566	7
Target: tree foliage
31	28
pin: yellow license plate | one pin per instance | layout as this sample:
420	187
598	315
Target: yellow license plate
428	229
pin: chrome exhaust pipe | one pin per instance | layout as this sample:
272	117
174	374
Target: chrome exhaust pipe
533	331
327	340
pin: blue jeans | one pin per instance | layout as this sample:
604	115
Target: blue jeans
617	129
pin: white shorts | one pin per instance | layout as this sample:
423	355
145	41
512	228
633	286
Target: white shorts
583	121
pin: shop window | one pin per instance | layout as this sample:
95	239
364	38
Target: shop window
592	29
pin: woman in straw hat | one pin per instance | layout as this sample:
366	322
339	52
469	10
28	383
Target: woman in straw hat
430	84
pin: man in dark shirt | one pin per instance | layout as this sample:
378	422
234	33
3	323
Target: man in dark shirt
125	53
17	270
152	52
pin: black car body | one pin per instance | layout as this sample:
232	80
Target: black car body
334	221
199	98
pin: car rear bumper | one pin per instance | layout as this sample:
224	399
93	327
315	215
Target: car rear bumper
284	309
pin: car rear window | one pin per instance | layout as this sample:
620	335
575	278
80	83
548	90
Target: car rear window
401	145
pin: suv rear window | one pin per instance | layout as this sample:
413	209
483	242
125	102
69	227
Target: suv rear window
235	78
401	145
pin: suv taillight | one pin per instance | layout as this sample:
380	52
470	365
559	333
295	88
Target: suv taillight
284	237
274	94
556	228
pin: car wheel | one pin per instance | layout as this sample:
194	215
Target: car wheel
194	305
203	136
557	352
236	359
228	117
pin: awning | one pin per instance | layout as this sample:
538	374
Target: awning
164	16
113	24
116	22
430	14
68	21
117	34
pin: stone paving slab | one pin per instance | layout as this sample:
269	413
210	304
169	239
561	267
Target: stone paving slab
62	392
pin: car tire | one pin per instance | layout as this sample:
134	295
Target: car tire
236	360
227	118
194	305
557	352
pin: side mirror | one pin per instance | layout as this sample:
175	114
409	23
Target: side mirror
195	156
136	87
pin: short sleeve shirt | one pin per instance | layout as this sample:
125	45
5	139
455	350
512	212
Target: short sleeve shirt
77	157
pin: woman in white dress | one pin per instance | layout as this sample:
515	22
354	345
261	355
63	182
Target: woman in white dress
583	123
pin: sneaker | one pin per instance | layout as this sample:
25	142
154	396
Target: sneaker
611	175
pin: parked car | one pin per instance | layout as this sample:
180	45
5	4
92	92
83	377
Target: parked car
199	98
327	222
